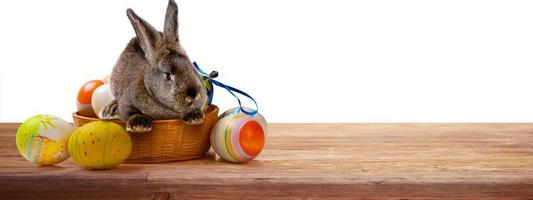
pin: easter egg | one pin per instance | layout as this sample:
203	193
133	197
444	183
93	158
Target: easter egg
208	85
99	145
257	116
238	138
102	97
42	139
85	94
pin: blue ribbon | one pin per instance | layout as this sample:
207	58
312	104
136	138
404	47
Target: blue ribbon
230	90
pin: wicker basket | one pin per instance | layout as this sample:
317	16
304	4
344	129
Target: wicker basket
169	140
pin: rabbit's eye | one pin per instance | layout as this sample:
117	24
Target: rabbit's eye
168	77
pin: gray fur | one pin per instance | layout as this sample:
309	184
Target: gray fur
154	78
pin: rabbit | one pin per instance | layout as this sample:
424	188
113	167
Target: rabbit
154	78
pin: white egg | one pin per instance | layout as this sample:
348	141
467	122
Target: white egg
102	97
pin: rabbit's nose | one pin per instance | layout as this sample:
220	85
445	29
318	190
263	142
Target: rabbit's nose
190	95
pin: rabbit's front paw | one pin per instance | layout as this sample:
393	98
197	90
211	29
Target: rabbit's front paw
110	111
139	123
195	117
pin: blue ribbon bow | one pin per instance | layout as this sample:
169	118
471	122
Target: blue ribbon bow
230	90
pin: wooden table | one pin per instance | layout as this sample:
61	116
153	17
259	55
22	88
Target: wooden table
408	161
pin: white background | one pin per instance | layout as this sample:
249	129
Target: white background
303	60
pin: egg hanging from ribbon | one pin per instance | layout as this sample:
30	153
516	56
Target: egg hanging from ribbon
208	85
238	137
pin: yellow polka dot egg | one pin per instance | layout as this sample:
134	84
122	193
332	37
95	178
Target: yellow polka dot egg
100	145
42	139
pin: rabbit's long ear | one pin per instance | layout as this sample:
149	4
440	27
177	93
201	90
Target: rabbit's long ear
170	32
147	36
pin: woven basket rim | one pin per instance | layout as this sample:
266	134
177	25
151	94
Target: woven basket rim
211	109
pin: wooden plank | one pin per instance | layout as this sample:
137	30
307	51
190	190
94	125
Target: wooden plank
341	161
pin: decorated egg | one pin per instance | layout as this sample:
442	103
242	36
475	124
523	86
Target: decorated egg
238	138
102	97
99	145
257	116
208	85
84	98
42	139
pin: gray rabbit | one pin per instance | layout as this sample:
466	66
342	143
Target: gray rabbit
154	79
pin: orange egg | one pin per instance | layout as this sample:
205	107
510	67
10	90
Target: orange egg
85	94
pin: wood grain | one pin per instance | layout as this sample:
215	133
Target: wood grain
308	161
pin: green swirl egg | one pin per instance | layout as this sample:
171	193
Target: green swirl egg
42	139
